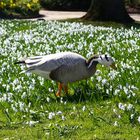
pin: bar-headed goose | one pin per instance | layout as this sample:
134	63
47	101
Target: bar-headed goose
65	67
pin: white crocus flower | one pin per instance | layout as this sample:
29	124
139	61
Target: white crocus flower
129	107
115	123
83	108
104	81
139	119
51	115
121	106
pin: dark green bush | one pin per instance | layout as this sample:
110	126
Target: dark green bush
133	2
80	4
19	8
66	4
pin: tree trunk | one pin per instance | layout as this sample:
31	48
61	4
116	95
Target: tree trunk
108	10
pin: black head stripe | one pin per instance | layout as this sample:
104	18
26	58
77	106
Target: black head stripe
101	57
106	57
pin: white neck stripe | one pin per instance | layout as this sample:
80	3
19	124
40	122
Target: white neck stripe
91	62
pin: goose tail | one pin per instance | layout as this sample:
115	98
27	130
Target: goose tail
20	62
27	71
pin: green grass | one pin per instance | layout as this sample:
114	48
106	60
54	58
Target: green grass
105	106
96	122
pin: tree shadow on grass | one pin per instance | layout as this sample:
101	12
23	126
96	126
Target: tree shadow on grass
135	25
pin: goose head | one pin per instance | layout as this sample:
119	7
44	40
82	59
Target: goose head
105	60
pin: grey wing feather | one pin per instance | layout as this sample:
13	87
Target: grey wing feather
41	63
44	63
32	61
53	61
55	64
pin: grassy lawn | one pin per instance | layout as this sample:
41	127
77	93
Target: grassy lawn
106	106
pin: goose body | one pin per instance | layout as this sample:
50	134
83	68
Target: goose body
64	67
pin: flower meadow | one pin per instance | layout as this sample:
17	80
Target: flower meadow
109	99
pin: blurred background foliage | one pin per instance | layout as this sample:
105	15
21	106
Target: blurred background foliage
19	8
133	2
77	4
30	8
66	4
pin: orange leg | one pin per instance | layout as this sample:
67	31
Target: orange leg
66	89
58	94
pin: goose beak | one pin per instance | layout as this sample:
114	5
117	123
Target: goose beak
113	66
